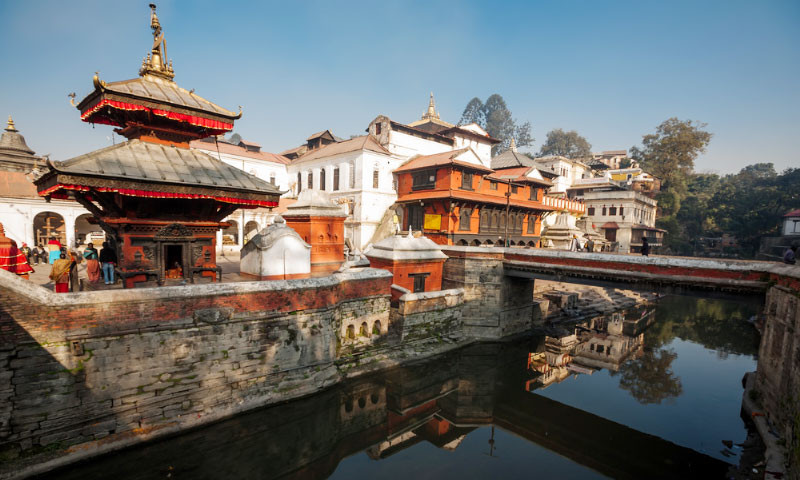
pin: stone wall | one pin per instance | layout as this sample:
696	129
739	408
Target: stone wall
111	368
429	314
777	387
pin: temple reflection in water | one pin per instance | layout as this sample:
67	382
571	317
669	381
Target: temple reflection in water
442	402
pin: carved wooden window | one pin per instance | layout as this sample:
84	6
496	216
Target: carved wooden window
336	178
376	178
299	182
534	193
466	180
424	180
622	210
377	128
531	223
514	188
612	211
604	210
310	179
464	223
492	185
590	211
322	179
484	220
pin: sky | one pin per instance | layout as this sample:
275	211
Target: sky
612	71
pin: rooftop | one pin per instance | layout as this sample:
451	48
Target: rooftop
364	142
241	150
440	160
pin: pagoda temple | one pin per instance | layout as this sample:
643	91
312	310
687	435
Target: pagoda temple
160	202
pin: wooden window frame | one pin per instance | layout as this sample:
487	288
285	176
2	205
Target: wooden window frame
421	179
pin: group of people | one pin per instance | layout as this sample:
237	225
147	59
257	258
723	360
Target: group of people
64	273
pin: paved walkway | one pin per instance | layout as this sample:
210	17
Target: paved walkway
41	275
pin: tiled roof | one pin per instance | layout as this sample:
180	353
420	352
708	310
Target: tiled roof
155	163
472	196
510	158
364	142
230	149
165	91
519	174
793	213
440	159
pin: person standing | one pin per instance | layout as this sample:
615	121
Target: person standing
54	246
108	258
60	273
645	247
74	283
790	256
92	263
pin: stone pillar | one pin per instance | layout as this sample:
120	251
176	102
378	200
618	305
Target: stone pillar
495	305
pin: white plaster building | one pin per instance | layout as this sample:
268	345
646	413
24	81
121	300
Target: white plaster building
625	217
791	223
26	216
247	156
569	171
357	173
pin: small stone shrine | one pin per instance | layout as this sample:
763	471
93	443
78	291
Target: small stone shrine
276	253
160	202
415	262
560	234
320	223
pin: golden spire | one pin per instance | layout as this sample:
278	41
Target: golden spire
513	146
155	63
431	114
11	127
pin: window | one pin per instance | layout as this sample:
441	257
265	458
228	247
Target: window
612	211
424	180
336	178
591	211
464	219
375	178
514	188
322	179
466	180
299	182
534	193
352	168
310	179
604	211
419	281
600	348
492	185
531	223
272	178
621	211
377	129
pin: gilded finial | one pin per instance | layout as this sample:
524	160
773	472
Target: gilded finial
156	63
513	146
431	113
11	127
72	99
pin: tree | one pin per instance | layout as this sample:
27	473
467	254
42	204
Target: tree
669	153
649	378
566	144
495	117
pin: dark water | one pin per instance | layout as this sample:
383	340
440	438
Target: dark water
657	405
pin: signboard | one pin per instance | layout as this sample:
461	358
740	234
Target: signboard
433	222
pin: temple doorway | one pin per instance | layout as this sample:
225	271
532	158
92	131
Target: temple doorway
230	235
173	262
47	225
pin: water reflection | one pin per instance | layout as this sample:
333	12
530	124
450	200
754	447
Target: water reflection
483	411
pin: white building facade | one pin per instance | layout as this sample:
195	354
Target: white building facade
624	217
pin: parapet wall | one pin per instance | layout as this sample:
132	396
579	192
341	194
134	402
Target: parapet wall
109	368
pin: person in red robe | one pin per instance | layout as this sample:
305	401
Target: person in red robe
11	258
92	263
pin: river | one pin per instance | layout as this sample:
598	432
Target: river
651	392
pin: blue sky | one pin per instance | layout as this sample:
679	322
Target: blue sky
612	71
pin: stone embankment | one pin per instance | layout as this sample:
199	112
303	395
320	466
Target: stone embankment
572	302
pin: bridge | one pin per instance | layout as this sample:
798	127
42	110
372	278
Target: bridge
656	273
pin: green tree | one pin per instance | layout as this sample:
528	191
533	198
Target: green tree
649	378
495	117
566	144
669	154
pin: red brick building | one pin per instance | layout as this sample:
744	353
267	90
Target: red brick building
455	200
